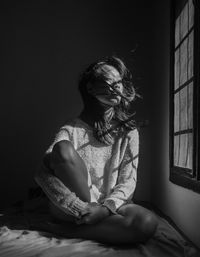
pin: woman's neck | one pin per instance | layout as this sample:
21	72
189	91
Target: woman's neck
90	116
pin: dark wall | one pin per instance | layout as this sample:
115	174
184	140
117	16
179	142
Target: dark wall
45	46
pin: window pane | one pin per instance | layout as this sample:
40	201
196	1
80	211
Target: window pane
183	62
177	69
190	54
176	112
176	150
177	31
183	150
190	106
190	151
184	22
183	109
191	14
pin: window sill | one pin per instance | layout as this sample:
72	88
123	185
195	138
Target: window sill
185	181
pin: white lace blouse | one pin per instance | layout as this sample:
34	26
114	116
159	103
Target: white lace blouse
112	169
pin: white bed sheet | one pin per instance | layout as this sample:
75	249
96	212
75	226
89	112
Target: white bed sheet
18	242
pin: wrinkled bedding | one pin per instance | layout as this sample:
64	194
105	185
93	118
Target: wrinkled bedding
19	238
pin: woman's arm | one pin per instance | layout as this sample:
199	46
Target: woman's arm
127	177
58	193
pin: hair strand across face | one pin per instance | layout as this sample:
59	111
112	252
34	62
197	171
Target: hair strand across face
123	118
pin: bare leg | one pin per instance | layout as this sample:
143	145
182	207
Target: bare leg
132	224
70	169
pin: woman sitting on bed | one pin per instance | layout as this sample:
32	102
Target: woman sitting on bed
89	172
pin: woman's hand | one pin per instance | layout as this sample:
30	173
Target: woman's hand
94	213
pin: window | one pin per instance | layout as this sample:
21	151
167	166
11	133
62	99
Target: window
184	94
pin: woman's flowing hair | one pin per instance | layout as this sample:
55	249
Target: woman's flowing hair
101	124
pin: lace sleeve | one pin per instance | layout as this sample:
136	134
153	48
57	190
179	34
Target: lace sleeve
59	194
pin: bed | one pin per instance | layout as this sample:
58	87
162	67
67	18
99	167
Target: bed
20	235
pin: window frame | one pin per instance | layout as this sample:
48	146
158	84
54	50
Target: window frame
184	179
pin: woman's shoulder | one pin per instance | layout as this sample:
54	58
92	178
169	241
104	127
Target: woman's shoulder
131	134
75	123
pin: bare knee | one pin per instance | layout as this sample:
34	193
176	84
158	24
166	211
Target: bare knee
140	223
146	224
63	152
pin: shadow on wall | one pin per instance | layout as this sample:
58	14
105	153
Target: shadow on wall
44	48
